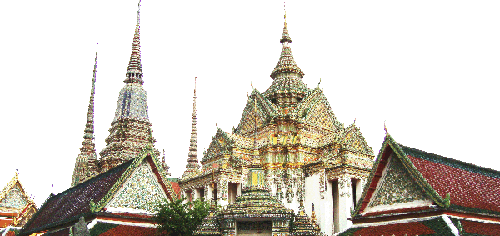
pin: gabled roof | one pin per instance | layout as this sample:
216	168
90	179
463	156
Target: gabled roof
354	141
221	144
449	183
257	105
91	196
315	109
11	185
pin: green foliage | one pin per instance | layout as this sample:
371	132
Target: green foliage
177	218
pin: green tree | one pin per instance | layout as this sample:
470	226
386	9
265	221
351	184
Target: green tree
176	218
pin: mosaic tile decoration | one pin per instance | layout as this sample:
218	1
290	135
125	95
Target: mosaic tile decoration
140	191
396	186
14	199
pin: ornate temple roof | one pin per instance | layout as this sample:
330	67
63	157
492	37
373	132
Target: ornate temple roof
94	195
450	184
15	205
86	162
192	166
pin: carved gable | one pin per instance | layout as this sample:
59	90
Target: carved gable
315	110
257	107
14	198
397	186
141	191
221	144
354	141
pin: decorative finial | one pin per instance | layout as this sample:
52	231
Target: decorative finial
163	155
195	86
354	121
284	8
251	84
385	128
139	12
319	82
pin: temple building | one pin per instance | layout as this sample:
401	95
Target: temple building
305	155
118	193
16	207
412	192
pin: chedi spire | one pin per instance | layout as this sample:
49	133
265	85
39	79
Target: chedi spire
130	134
86	162
134	68
192	166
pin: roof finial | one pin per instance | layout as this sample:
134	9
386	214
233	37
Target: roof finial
285	37
139	12
385	128
195	87
284	8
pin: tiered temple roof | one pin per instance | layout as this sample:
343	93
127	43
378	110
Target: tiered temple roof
86	164
130	131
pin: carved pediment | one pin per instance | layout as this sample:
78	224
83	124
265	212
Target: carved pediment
221	144
258	108
315	110
354	141
139	191
397	189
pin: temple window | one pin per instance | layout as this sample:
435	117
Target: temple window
232	192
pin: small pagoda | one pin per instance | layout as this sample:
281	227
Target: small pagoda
257	212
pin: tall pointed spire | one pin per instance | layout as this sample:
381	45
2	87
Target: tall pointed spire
130	133
134	69
192	166
287	87
86	162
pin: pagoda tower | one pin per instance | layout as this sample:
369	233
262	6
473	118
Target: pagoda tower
290	136
192	166
130	133
86	164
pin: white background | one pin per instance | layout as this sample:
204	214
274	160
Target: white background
428	68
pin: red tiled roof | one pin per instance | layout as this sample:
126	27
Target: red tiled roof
130	230
403	229
10	233
480	228
76	200
466	184
176	188
135	215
